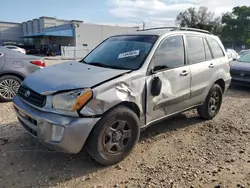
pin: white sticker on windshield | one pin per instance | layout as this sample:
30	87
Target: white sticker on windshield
129	54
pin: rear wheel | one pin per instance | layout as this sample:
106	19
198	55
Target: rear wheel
9	86
212	104
114	136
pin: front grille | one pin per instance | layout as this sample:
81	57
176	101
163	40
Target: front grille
33	97
31	131
241	74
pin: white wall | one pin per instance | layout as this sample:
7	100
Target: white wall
10	31
92	35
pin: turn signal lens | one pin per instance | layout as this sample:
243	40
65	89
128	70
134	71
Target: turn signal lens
82	99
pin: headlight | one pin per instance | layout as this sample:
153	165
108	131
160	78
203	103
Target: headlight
72	101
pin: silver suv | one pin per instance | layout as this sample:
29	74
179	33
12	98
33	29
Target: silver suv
124	85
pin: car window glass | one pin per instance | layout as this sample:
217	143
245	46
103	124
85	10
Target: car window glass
196	51
207	50
11	47
170	53
215	47
122	52
245	58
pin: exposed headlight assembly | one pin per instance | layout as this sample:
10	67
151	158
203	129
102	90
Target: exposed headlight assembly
72	101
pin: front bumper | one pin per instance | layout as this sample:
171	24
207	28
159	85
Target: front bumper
241	81
39	125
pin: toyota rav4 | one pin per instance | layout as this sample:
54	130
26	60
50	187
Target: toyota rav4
124	85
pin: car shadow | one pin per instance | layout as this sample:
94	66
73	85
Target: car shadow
237	91
22	156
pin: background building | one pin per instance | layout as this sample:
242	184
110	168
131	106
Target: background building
57	33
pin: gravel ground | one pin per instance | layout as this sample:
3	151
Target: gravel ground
180	152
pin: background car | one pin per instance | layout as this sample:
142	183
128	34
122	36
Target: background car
240	70
232	55
15	48
14	67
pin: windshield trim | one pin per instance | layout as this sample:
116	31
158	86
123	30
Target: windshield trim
134	35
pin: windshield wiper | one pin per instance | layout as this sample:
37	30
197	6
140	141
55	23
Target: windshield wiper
104	65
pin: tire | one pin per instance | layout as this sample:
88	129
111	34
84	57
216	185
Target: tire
9	86
119	127
212	104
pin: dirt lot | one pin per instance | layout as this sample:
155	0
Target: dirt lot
181	152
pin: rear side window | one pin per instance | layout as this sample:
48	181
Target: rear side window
216	48
207	50
11	47
170	53
196	51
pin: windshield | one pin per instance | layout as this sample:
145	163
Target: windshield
122	52
245	58
243	52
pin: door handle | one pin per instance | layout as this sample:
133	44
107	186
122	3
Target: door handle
184	73
211	65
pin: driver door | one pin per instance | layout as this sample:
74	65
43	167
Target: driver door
169	65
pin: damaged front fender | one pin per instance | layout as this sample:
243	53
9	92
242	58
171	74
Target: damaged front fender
114	92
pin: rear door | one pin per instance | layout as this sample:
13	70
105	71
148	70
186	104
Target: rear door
203	67
169	64
2	60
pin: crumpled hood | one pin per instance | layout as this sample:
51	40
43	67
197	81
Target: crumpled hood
69	76
240	66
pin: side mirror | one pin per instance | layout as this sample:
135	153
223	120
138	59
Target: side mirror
156	86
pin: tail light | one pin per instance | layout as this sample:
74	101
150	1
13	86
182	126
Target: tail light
38	63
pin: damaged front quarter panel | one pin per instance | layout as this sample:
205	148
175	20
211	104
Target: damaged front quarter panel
128	88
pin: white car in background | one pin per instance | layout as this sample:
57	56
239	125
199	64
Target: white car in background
15	48
232	55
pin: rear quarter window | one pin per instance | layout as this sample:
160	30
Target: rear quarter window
216	48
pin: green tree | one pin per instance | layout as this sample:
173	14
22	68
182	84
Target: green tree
236	25
201	19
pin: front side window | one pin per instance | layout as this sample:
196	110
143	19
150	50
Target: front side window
215	47
170	53
195	49
122	52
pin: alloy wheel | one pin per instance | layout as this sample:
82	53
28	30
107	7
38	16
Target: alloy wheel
9	88
214	102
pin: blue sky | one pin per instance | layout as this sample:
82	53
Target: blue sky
121	12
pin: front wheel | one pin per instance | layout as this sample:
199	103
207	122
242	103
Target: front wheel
114	136
9	86
212	104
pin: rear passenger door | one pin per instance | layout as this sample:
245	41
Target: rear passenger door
203	68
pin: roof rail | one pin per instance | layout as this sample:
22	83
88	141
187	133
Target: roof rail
194	29
154	28
179	28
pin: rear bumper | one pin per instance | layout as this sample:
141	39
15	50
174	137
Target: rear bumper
39	124
228	83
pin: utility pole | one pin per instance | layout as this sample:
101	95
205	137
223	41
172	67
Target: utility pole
143	25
